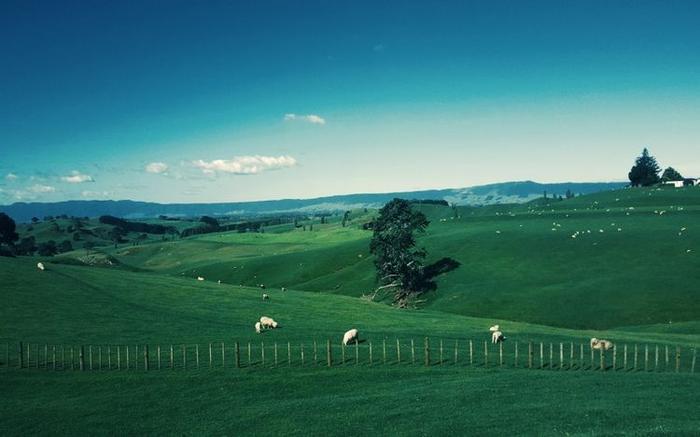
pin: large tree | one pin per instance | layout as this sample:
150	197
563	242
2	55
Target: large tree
8	235
645	171
398	262
670	174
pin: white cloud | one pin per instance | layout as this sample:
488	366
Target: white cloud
38	188
157	167
94	194
245	164
11	177
310	118
76	178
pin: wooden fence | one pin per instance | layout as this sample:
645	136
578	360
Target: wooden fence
433	352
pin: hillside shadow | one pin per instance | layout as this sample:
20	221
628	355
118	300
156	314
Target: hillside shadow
432	271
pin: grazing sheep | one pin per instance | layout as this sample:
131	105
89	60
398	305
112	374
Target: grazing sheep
199	278
497	336
268	322
284	289
258	327
266	296
601	344
262	286
350	336
40	266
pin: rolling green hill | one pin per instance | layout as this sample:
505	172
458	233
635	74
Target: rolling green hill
69	304
622	258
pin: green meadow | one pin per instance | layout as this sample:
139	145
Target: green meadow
631	279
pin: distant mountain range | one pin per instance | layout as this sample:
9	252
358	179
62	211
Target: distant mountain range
506	192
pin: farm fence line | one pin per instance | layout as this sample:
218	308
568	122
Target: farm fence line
428	352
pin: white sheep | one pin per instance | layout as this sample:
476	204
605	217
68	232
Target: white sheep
284	289
497	336
40	266
495	328
266	296
199	278
268	322
258	327
601	344
350	336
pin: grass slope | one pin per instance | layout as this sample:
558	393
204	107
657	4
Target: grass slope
518	262
72	304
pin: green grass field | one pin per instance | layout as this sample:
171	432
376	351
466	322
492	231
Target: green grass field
636	286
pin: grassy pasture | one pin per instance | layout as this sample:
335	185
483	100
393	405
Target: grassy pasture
518	262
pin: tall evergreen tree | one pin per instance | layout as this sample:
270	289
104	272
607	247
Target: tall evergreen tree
645	171
670	174
399	264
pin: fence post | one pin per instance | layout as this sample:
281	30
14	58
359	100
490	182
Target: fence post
90	352
635	356
656	359
301	353
210	355
184	356
158	351
427	352
20	355
275	354
46	356
119	356
146	360
413	352
262	352
614	364
541	355
172	357
456	353
581	361
249	353
515	361
551	356
692	365
82	358
602	358
109	357
384	351
398	351
315	354
72	358
571	355
329	353
237	355
486	353
666	358
678	358
370	353
592	358
646	357
441	352
500	353
196	354
53	355
529	355
471	353
561	356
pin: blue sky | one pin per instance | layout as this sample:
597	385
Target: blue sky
223	101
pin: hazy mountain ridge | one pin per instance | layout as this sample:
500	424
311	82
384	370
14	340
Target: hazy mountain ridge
506	192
